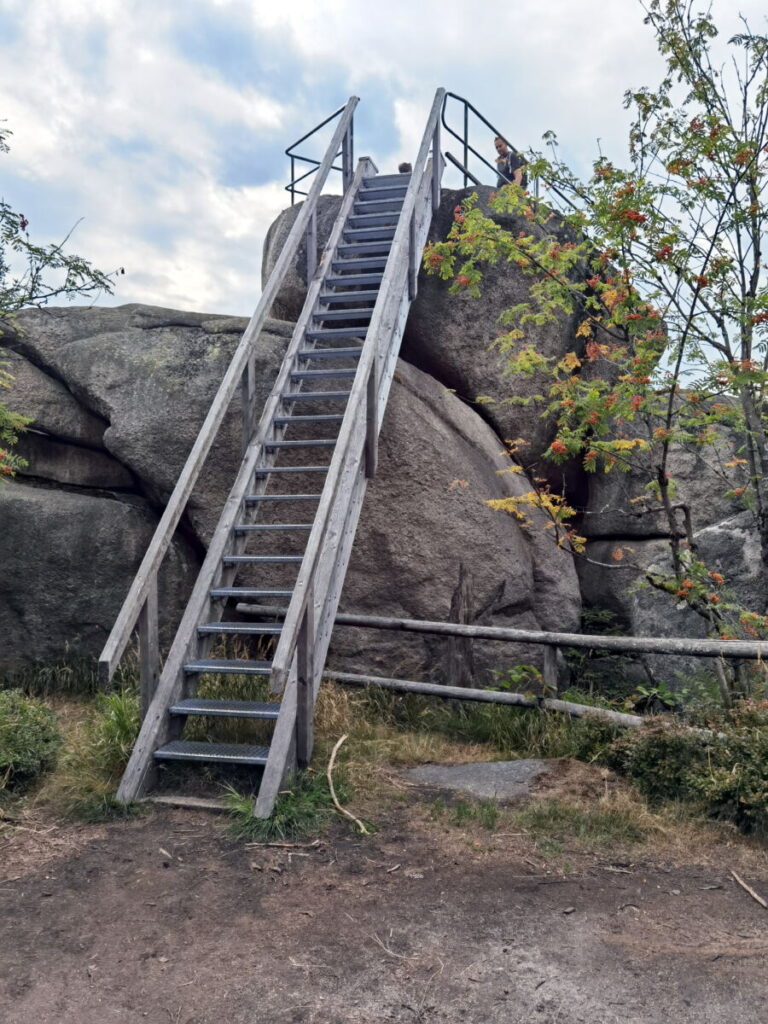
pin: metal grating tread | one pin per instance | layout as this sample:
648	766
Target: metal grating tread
337	332
313	396
226	666
323	417
332	298
343	314
226	708
247	592
360	263
320	442
220	753
240	629
275	527
261	559
330	353
266	470
252	499
323	374
344	281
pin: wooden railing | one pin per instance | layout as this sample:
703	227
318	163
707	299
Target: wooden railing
300	654
141	605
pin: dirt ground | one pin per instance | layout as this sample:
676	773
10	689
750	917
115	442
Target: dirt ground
167	920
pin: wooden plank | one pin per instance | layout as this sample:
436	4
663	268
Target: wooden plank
750	649
550	670
129	613
488	697
155	727
149	647
371	425
305	698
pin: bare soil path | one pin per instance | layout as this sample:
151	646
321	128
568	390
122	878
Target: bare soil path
167	920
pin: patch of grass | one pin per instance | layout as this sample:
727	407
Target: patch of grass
463	813
73	675
303	811
29	740
97	751
605	823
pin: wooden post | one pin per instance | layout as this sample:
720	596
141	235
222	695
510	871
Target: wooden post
437	164
247	396
305	700
550	671
312	246
149	646
371	424
460	662
413	259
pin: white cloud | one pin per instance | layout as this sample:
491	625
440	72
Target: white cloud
105	108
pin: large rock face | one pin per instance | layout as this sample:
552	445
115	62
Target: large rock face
293	290
68	558
452	336
122	394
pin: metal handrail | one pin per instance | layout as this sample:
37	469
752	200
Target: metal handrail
464	140
346	152
140	605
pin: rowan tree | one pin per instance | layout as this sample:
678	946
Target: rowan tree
667	273
31	275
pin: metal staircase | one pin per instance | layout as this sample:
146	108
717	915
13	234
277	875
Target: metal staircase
287	528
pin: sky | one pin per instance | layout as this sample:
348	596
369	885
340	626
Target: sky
159	128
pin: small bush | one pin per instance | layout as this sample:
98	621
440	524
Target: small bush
736	788
662	760
29	740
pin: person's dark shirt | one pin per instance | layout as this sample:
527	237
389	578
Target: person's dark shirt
507	165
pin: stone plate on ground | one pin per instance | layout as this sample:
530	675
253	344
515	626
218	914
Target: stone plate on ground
495	780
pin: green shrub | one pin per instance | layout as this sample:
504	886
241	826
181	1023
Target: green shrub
29	740
662	760
736	788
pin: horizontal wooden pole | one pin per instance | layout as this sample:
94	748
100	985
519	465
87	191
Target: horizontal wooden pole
753	650
484	696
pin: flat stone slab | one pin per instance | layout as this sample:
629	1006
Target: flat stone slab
494	780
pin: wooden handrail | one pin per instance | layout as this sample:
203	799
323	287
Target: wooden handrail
147	573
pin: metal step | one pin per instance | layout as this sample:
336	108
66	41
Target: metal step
365	248
361	263
329	333
252	499
343	314
370	233
313	396
324	442
224	666
401	178
218	753
239	629
243	528
326	417
352	279
262	559
363	205
384	192
247	593
330	353
323	374
226	708
333	298
373	220
266	470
